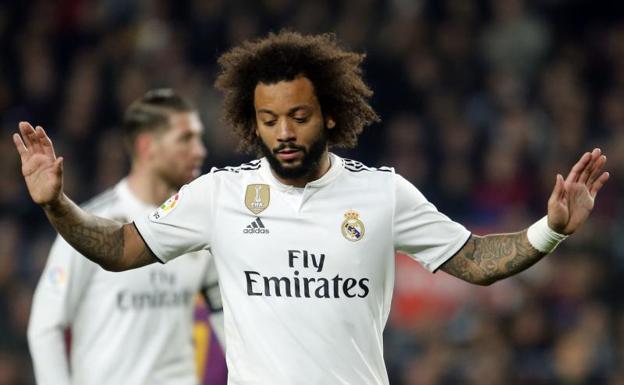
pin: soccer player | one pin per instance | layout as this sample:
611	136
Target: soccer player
303	240
133	327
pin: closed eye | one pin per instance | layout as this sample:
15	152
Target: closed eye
301	120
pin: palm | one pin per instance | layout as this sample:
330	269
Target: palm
572	200
41	169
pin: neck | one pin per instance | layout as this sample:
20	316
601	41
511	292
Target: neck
316	173
148	187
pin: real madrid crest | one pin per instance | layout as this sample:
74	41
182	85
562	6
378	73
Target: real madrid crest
352	227
257	197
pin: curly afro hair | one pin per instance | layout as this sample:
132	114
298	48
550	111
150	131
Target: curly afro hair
335	73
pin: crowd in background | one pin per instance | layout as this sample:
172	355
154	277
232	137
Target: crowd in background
482	103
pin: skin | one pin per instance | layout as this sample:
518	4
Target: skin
289	116
167	159
289	112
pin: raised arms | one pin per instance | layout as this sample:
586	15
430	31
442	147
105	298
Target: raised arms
484	260
112	245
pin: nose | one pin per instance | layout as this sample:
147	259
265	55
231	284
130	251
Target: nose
286	132
198	149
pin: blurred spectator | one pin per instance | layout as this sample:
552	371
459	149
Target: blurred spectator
515	40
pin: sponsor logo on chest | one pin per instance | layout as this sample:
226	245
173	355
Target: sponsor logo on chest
256	227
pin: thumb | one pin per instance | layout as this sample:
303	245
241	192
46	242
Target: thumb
558	191
58	165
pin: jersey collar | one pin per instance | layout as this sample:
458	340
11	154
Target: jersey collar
128	196
334	171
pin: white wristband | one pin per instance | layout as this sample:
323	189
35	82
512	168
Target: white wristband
542	237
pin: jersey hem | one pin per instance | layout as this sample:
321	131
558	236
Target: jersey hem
146	244
444	260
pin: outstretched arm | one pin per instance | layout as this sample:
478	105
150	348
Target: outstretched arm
484	260
112	245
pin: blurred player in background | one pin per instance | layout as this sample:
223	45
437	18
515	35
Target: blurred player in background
304	240
134	327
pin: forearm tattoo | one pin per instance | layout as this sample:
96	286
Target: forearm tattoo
484	260
99	239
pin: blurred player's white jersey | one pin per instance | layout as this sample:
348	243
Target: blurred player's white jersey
306	273
131	328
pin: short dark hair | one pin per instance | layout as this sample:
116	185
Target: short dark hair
151	113
335	73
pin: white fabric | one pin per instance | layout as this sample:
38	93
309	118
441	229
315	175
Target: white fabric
331	333
131	328
542	237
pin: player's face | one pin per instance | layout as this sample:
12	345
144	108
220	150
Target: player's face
179	151
292	128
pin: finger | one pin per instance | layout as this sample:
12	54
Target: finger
58	165
584	175
587	171
36	140
597	170
30	137
21	148
597	185
562	188
576	170
558	190
25	130
46	143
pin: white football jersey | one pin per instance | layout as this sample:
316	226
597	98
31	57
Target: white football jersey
306	273
132	328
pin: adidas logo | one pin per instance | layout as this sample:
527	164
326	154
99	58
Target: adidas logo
256	227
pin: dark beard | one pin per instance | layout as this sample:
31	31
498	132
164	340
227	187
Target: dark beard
310	163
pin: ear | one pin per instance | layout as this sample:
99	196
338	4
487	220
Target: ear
143	144
330	123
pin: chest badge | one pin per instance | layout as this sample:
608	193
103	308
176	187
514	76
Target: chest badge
257	197
352	227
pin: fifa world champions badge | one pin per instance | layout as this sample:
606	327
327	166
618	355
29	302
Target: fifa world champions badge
257	197
166	207
352	227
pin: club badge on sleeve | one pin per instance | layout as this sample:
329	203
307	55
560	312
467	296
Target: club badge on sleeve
352	227
166	207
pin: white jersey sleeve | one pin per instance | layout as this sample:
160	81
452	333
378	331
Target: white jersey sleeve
182	224
56	297
421	231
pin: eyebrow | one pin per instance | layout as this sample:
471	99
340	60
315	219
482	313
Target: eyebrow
290	112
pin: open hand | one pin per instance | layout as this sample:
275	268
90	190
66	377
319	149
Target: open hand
573	199
42	170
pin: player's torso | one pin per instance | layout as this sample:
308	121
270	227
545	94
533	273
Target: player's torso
143	292
147	290
300	263
316	234
145	312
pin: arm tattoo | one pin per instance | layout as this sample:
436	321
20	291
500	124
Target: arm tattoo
484	260
99	239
